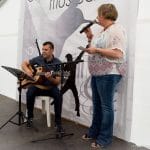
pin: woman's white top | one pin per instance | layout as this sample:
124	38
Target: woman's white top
113	37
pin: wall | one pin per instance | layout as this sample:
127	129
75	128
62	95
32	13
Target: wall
141	98
9	18
140	131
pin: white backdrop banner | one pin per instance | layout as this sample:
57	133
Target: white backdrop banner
60	21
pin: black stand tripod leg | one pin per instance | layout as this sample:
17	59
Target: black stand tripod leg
20	114
57	136
8	120
21	118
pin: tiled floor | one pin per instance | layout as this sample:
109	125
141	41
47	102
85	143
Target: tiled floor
14	137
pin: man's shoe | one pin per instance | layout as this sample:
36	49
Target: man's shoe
86	137
60	129
29	122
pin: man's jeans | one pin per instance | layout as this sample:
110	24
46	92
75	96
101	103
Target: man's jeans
103	89
53	92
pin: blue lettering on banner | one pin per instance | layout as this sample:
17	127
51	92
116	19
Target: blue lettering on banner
55	4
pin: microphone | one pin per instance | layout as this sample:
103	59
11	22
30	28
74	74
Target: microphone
88	25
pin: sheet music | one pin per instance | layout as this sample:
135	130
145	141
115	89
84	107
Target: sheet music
82	48
18	73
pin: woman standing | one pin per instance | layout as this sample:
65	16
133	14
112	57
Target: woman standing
107	67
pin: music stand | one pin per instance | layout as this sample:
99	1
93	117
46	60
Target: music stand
20	76
59	135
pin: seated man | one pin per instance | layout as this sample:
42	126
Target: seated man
48	62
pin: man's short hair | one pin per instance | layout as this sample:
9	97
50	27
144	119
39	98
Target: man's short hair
49	43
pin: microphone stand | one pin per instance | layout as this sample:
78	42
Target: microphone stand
37	45
59	135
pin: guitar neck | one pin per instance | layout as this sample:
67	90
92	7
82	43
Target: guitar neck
56	73
40	74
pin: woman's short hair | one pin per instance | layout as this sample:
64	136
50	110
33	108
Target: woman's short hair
108	11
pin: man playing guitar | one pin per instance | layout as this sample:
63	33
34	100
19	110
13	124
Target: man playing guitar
47	62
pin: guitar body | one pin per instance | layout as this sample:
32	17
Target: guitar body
38	79
39	75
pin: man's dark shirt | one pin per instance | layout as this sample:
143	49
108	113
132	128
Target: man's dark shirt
52	65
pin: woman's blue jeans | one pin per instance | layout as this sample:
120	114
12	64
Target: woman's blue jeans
103	89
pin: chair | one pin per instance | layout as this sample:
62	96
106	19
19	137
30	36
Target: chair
45	107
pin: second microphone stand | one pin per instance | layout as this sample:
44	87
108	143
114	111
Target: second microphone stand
59	135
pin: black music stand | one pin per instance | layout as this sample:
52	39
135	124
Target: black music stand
20	76
59	135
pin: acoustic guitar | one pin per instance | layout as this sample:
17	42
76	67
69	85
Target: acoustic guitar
38	78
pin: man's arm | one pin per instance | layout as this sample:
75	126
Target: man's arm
27	68
55	80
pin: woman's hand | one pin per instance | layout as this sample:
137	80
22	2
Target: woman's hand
91	50
89	34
